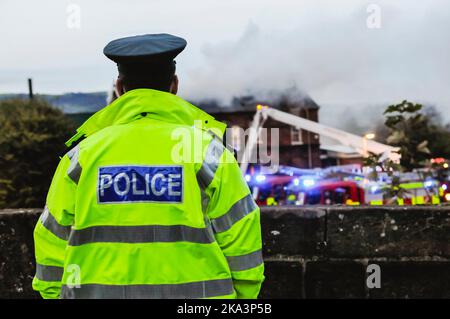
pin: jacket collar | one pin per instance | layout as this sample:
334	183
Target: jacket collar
158	105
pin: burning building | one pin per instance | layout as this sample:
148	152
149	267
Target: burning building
297	147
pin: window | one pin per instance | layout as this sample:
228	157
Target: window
328	197
236	137
313	197
296	136
340	196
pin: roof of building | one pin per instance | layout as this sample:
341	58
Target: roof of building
338	148
249	103
341	151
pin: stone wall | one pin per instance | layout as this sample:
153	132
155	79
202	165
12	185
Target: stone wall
310	252
324	252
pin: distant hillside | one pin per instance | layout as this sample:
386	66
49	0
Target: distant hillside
70	102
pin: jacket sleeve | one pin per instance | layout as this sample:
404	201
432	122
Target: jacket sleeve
235	219
52	231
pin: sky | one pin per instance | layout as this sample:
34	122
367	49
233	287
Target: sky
352	57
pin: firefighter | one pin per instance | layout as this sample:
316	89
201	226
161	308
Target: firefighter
127	216
271	201
291	198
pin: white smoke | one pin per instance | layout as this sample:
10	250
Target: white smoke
321	47
331	55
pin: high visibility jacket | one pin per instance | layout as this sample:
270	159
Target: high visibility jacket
149	205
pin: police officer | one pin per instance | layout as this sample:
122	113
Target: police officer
148	203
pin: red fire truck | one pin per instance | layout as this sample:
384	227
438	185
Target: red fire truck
332	192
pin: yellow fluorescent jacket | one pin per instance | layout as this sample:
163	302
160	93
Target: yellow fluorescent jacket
126	218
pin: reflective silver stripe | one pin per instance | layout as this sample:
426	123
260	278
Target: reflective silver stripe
209	166
140	234
244	262
49	222
238	211
205	200
74	170
49	273
199	289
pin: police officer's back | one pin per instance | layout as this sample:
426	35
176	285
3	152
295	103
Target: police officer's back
148	203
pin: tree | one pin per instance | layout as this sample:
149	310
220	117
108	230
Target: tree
409	130
419	135
424	124
391	191
439	138
32	136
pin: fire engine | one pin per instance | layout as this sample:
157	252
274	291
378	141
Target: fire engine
314	190
336	185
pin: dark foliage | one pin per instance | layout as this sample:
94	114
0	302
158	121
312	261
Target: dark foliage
32	136
417	132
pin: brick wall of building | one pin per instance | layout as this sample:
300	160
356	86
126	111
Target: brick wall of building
303	155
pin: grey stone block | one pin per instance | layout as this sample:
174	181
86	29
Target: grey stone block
335	279
293	231
284	279
17	265
413	279
388	231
